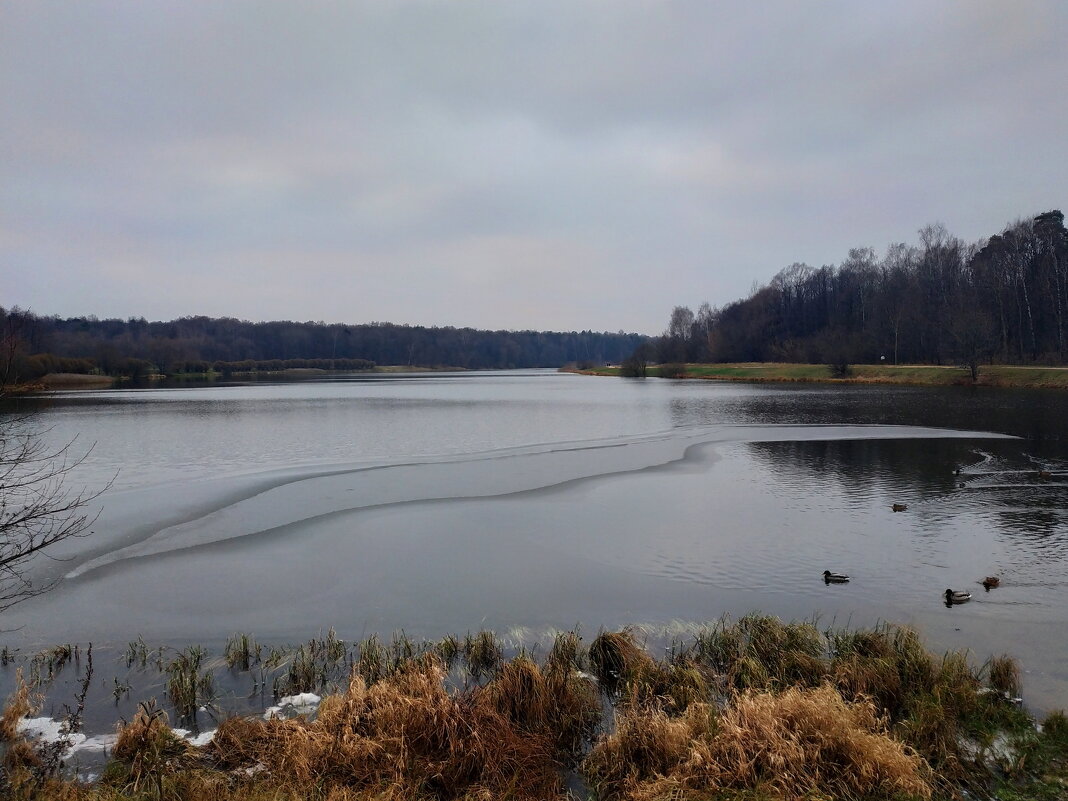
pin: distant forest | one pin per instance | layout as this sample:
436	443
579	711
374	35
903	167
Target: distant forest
136	347
943	301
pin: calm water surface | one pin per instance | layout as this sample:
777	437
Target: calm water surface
533	500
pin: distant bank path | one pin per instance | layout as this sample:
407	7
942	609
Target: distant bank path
914	374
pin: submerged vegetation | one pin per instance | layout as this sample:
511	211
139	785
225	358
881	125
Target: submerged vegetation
753	709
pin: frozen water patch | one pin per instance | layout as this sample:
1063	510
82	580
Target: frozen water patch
277	505
48	730
197	740
293	705
97	744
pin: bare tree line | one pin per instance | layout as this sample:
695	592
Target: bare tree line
941	301
195	344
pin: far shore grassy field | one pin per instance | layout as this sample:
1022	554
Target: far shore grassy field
914	374
749	710
53	381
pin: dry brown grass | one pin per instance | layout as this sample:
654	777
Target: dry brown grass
789	745
554	703
19	704
888	664
405	736
615	658
149	749
757	709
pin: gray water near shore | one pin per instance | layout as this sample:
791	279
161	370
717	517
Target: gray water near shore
533	500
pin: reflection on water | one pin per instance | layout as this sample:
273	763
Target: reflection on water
445	503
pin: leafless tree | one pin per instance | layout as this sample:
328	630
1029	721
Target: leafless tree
38	509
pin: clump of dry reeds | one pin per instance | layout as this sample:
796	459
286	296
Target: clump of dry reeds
560	705
789	745
406	731
149	749
1003	675
21	761
566	653
242	651
616	658
482	653
187	685
19	704
762	652
888	664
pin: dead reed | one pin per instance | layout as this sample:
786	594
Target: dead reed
789	745
553	703
187	685
19	704
1003	675
405	732
149	750
755	709
242	651
482	653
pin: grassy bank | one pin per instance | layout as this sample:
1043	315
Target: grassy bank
748	711
67	381
923	375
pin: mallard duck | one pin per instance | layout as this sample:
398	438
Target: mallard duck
834	578
1045	475
957	596
990	582
900	507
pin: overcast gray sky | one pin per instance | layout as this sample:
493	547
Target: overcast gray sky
552	165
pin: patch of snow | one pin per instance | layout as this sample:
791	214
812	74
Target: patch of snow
48	730
1011	699
301	700
197	740
293	705
97	743
202	739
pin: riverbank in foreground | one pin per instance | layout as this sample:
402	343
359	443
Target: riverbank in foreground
910	374
755	709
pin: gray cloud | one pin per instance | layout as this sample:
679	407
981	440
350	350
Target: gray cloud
528	164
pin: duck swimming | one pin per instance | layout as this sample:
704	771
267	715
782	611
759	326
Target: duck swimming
900	507
990	582
834	578
957	597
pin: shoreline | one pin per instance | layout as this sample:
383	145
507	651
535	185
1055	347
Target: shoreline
1000	376
75	381
844	712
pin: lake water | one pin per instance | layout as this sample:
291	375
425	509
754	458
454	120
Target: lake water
532	500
